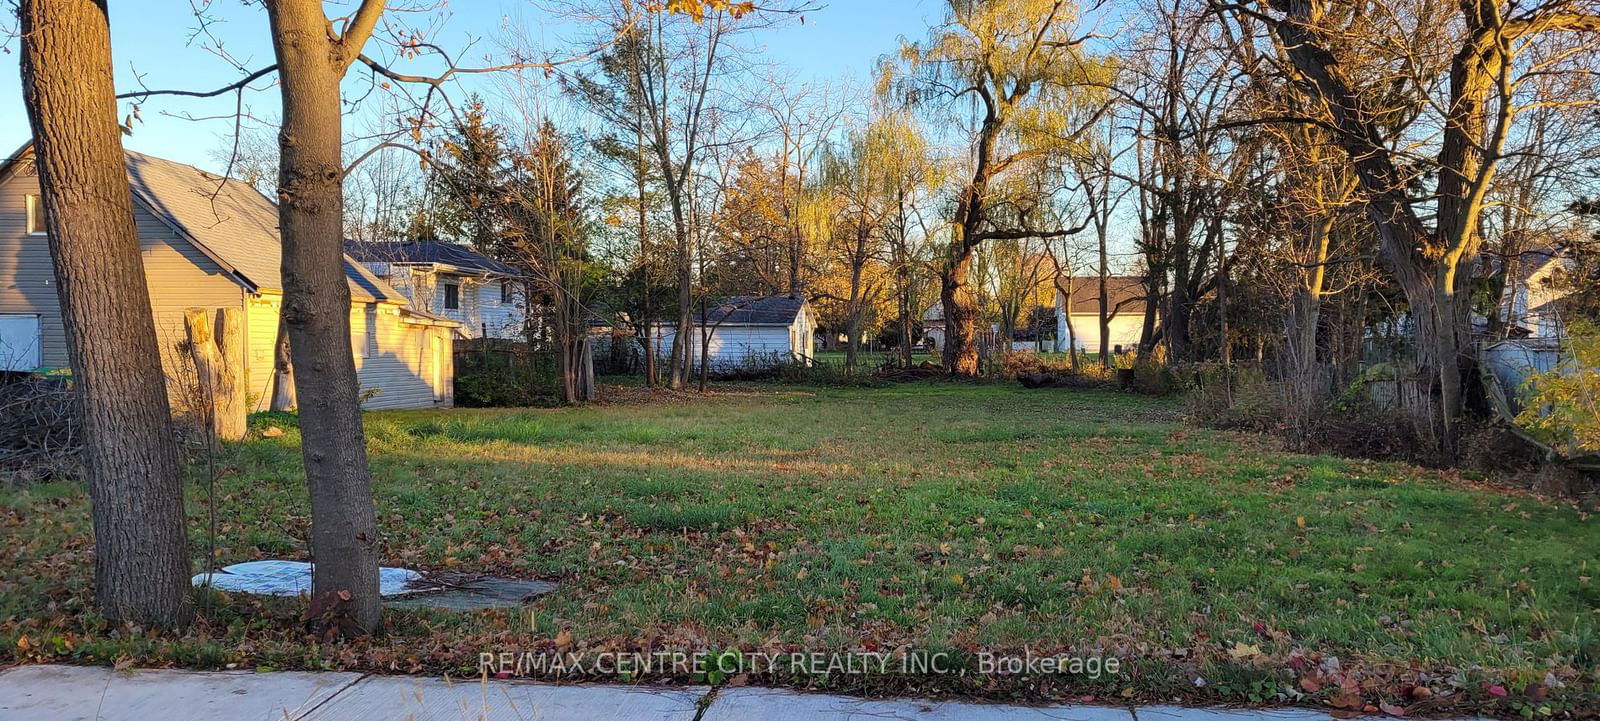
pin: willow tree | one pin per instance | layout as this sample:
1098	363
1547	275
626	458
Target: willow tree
1016	68
910	174
861	216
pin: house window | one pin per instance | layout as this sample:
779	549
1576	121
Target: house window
507	292
35	215
452	296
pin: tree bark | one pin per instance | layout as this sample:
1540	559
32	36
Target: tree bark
1105	300
134	469
283	399
214	345
960	315
316	309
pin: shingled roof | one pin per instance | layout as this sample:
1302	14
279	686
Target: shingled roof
435	252
1122	293
227	220
755	310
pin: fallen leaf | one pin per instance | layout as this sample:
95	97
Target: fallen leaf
1243	650
1345	700
1392	709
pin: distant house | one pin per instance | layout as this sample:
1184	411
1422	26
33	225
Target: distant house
451	280
210	242
748	331
933	329
1530	303
1125	301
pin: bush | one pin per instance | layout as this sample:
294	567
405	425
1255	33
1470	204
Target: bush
1155	379
1243	398
1036	371
1563	405
505	380
1236	398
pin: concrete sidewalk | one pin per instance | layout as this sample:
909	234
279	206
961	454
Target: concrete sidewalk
79	693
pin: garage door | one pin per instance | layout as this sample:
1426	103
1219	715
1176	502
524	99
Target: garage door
19	342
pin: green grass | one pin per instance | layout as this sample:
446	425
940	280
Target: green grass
935	516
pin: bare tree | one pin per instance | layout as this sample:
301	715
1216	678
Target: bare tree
135	472
660	82
1384	80
312	62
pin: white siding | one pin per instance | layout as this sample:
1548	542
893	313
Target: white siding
733	346
399	363
1125	329
27	276
480	309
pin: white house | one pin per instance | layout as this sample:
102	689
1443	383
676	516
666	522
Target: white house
1530	304
1125	301
451	280
748	331
210	242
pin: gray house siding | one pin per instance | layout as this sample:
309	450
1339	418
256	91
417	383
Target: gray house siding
178	274
27	277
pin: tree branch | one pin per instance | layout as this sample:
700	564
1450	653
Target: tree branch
238	85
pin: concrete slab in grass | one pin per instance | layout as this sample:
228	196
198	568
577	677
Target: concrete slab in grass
388	698
81	693
738	704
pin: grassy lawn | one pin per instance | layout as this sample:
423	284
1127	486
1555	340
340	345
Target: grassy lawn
944	517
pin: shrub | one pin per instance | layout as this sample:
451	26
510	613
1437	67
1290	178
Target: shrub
1563	406
1155	379
1037	371
1237	398
1244	398
505	379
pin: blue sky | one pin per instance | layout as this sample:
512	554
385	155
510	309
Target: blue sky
151	41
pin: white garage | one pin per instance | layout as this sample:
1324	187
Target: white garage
747	332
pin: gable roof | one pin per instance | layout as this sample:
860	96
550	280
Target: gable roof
226	219
435	252
778	310
1122	291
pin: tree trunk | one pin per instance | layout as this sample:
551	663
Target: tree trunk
214	344
1147	330
906	308
1065	286
678	374
960	316
131	457
316	309
1105	310
853	310
283	399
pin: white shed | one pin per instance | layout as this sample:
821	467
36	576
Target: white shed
748	332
